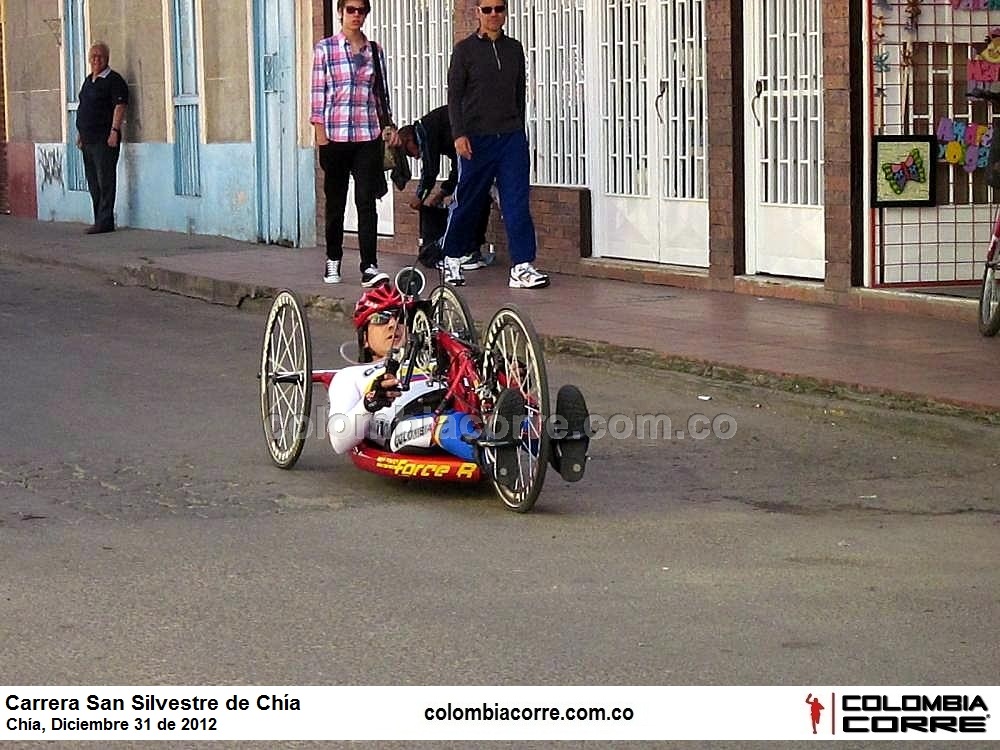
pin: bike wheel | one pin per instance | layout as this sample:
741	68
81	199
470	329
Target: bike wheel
513	358
456	318
286	379
989	302
421	326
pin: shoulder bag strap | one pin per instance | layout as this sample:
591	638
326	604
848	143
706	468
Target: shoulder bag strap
381	92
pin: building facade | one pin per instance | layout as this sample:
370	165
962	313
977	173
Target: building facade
722	144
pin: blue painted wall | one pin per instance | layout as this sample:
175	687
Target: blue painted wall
146	199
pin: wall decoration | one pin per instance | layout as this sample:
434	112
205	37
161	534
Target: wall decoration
965	143
903	170
983	71
975	4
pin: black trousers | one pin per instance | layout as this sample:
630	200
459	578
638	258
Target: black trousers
363	161
100	165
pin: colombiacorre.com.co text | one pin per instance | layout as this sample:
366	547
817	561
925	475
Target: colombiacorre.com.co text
616	426
498	712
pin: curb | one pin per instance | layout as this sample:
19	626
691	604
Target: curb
247	296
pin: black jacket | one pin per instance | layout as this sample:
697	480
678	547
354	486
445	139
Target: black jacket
486	86
434	137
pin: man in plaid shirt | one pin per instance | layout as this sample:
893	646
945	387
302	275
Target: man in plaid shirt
345	119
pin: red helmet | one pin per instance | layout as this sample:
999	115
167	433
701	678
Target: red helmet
383	297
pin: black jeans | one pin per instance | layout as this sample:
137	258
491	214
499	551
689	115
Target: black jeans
363	161
100	164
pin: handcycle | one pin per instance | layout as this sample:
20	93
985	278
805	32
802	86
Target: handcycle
441	341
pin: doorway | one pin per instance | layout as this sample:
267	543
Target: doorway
783	60
275	120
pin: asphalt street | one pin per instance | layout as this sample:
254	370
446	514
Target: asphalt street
146	539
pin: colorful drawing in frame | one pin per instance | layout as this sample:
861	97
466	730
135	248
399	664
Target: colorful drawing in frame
904	168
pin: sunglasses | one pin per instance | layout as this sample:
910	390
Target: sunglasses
488	9
355	10
383	318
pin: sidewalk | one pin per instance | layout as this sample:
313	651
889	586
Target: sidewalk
920	362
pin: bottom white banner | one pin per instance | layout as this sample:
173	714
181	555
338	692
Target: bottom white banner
239	712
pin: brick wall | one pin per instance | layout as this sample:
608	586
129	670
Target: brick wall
725	134
562	223
840	162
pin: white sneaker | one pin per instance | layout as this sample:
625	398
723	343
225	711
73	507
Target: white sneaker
453	272
526	276
332	274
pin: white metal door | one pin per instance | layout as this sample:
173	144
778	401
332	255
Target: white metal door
784	141
650	196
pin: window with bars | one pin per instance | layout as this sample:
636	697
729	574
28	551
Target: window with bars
418	39
625	94
551	32
683	89
186	99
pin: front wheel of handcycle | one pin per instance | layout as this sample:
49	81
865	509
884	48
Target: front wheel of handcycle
513	358
286	379
455	316
989	301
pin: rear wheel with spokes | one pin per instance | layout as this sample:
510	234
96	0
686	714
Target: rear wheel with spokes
286	379
513	358
989	301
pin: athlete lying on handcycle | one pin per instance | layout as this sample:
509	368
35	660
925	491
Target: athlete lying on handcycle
367	403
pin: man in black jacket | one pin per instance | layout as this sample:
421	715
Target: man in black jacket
486	107
99	118
428	139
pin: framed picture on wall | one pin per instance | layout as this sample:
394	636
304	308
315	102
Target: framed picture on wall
904	170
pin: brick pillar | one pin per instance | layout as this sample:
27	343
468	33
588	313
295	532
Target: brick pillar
725	133
841	162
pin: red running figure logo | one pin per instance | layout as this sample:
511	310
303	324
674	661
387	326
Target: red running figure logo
814	708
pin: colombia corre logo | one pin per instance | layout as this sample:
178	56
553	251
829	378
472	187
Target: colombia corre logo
913	712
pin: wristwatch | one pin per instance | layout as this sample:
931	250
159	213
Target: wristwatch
116	130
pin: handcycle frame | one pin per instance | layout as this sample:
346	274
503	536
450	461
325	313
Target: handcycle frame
441	339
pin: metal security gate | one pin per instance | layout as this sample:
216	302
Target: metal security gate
650	196
417	38
784	138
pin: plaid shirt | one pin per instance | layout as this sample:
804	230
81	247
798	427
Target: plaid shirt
343	90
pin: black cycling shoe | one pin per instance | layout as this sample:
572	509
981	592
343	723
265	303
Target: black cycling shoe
569	452
504	425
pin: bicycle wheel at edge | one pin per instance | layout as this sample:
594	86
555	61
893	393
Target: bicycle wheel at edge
513	357
456	317
989	302
286	379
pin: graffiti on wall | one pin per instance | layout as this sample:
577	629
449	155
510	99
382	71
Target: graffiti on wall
50	166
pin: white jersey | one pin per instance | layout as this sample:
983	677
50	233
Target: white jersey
348	422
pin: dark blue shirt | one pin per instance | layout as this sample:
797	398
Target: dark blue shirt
98	99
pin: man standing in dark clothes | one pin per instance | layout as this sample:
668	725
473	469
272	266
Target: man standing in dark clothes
486	107
428	139
99	118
